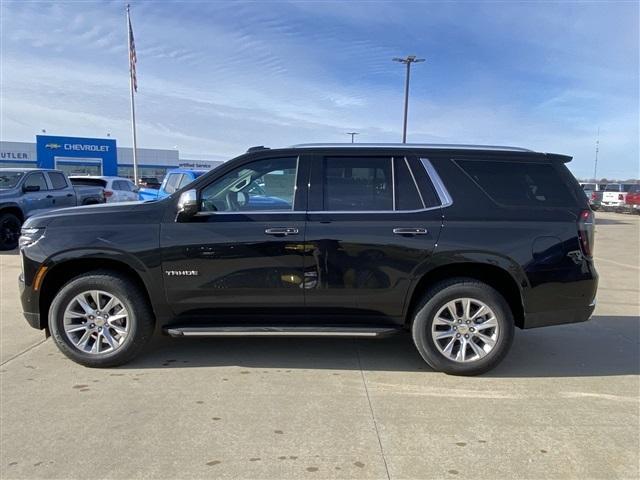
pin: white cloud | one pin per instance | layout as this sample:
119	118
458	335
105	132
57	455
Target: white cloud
217	78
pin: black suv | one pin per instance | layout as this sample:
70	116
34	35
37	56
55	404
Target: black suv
456	244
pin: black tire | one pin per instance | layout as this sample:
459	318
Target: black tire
140	317
437	297
9	231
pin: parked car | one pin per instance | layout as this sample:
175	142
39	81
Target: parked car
173	180
614	195
457	245
594	191
28	191
149	182
632	201
116	189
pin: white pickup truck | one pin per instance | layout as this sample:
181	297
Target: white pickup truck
615	194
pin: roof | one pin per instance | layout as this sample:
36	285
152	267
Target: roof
187	170
26	169
100	177
421	146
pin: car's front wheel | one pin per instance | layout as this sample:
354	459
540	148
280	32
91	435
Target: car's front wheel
101	319
463	327
9	231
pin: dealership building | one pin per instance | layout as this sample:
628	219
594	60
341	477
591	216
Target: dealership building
94	156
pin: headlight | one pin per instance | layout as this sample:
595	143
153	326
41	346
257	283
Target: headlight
29	236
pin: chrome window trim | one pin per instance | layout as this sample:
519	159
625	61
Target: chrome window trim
393	184
317	212
449	146
441	190
295	184
253	212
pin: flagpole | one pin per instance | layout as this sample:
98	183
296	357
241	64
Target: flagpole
133	106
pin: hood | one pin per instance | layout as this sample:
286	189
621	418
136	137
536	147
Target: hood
9	194
120	213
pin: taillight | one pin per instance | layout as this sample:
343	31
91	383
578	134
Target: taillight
620	197
586	231
593	196
108	193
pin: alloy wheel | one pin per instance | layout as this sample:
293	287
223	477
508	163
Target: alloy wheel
96	322
465	330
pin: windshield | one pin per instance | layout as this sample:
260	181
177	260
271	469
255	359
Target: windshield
9	179
612	187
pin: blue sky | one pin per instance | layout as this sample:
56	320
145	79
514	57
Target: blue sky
217	77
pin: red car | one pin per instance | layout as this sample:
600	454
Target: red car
632	202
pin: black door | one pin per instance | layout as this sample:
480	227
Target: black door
369	228
243	251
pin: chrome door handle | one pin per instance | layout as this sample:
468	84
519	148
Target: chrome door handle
410	231
281	231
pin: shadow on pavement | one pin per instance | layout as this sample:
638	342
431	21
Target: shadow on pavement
604	346
610	221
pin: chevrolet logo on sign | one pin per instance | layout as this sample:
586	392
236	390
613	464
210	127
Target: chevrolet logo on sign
53	145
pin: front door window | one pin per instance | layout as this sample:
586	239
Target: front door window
264	185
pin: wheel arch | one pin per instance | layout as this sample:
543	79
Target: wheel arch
61	272
493	275
14	209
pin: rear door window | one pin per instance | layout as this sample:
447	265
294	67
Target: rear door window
520	183
358	184
185	180
57	180
173	180
407	195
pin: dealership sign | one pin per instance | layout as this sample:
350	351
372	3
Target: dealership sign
14	156
79	147
52	149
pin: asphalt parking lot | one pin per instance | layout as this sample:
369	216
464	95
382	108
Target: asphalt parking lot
564	404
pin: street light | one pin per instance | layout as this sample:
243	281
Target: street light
407	61
353	134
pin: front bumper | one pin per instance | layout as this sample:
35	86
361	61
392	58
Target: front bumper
29	300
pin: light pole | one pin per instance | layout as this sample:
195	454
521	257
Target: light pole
353	134
407	61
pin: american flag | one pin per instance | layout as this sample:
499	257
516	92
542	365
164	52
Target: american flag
132	58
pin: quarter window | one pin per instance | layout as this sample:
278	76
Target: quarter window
358	184
520	183
263	185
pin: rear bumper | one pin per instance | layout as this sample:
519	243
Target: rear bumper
559	317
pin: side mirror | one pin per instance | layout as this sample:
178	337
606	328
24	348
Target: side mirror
31	188
187	206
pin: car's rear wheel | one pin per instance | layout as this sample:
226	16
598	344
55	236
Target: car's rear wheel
101	319
9	231
463	327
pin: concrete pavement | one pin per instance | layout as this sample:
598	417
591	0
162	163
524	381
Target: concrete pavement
564	403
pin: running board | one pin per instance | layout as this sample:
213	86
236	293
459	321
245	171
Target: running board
261	331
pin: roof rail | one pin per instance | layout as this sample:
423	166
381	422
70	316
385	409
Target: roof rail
448	146
257	148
